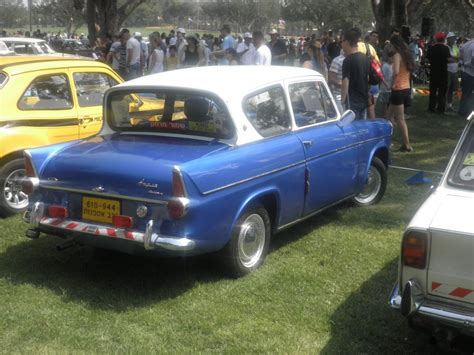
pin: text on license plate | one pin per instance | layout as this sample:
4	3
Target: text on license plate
99	209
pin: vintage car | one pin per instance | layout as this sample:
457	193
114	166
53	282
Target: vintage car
234	155
4	50
435	287
45	100
32	46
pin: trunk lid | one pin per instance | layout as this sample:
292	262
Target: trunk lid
451	262
131	165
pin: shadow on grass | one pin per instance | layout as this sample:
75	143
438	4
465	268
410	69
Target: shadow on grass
112	280
364	323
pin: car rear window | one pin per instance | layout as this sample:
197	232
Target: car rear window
190	113
461	173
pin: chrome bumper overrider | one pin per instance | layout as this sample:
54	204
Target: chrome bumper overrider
150	239
412	302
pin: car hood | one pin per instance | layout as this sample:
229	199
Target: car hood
133	165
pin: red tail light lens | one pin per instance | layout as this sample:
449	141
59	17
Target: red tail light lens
57	211
29	168
414	249
176	209
178	184
120	221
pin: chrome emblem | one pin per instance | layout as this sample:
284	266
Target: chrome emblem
142	211
53	179
148	185
98	189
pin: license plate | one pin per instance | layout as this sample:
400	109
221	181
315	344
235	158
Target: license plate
99	209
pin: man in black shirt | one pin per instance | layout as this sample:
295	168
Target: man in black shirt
278	48
355	77
438	56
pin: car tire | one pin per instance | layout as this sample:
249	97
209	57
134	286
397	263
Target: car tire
374	188
12	199
248	247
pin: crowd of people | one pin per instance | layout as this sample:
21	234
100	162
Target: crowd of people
358	68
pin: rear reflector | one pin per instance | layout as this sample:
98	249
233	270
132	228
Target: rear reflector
414	249
57	211
120	221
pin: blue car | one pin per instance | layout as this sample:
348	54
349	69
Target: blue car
207	159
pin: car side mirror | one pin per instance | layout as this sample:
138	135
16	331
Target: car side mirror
346	118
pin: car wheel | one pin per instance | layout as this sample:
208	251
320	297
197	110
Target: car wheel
248	247
12	199
374	187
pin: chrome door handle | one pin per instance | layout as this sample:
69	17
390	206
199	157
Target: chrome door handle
308	143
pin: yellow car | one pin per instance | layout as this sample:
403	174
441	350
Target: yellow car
45	100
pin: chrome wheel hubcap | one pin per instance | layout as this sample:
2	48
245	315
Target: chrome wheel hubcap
14	197
371	187
251	240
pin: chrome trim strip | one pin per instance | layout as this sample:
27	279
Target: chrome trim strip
121	197
253	177
312	213
177	170
28	155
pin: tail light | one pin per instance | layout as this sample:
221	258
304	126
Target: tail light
414	249
57	211
120	221
178	205
31	181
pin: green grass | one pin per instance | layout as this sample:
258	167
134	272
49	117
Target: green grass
324	287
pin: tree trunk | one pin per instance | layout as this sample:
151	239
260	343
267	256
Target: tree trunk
383	11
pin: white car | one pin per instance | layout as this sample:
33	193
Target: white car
435	285
22	45
4	49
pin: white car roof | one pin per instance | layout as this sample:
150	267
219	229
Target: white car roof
22	40
224	81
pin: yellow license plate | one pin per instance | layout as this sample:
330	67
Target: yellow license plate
99	209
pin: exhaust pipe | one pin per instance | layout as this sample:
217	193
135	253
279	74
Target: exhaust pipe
66	245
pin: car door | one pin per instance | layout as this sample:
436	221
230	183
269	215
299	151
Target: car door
46	108
88	90
330	150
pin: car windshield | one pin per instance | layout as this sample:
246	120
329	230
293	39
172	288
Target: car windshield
462	171
3	78
169	111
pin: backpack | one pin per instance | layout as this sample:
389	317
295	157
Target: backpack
375	70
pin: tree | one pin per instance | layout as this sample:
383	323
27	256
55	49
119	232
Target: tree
63	12
12	13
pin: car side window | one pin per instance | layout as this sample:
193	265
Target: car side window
331	112
307	103
267	112
47	92
90	88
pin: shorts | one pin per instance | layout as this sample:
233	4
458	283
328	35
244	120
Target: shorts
401	97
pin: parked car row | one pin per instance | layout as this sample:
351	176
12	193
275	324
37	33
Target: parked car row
200	161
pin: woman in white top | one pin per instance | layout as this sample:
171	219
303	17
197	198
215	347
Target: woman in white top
157	56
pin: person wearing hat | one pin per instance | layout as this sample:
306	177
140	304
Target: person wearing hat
246	50
181	46
277	48
438	55
453	68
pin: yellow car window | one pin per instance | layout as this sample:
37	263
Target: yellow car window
47	92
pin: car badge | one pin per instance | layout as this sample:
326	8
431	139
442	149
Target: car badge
148	185
98	189
142	211
52	179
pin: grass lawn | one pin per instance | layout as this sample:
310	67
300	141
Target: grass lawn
324	287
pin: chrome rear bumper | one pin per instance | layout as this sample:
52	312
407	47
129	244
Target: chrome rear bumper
413	302
150	239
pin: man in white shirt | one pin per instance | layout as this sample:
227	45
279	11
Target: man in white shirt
246	50
263	55
134	53
144	50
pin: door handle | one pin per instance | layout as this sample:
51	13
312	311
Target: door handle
308	143
87	119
